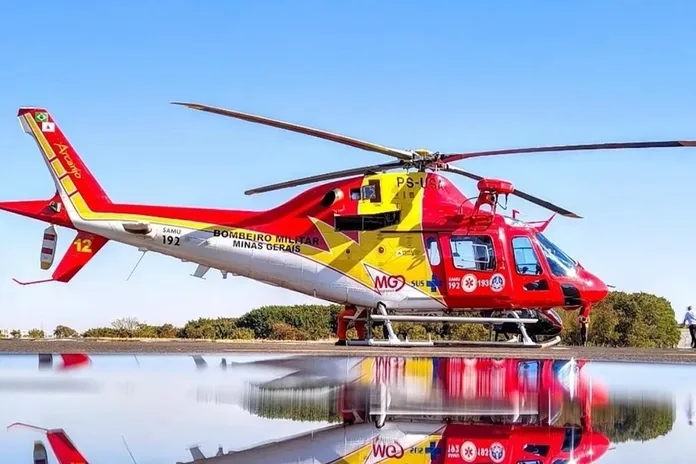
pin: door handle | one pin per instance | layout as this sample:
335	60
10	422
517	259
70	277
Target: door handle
537	285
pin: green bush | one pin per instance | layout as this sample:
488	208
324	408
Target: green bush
36	333
166	331
623	319
220	328
63	331
283	331
315	321
242	333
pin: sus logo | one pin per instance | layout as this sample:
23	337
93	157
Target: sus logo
390	283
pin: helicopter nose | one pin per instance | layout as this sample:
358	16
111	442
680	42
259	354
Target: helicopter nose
598	444
595	290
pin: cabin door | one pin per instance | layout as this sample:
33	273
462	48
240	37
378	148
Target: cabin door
533	285
470	265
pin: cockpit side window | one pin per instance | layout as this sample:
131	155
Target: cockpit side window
433	250
560	263
526	261
473	253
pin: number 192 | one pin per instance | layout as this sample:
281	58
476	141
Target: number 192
170	240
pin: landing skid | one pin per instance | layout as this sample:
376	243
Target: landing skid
422	343
393	341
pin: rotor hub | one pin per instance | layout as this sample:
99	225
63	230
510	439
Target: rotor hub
423	152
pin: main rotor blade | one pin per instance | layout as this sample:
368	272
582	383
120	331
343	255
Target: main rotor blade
327	176
519	193
594	146
395	152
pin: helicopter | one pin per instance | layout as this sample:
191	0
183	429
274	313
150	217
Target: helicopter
396	246
388	409
410	410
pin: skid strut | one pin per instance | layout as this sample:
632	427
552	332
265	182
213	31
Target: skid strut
392	340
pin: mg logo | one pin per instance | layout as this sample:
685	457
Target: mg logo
390	283
387	450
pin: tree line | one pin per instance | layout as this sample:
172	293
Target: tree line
621	320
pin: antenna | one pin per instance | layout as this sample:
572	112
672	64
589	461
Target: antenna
128	449
144	250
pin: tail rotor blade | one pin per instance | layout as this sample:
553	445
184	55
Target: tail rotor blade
518	193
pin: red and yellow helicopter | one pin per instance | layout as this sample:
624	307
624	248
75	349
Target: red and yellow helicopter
410	410
405	245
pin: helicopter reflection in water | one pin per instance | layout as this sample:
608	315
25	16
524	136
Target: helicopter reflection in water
428	410
408	410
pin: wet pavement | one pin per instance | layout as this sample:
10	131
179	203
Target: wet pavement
345	409
328	349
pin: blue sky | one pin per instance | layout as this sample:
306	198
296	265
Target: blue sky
443	75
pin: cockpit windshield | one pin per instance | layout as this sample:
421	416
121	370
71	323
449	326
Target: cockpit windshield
560	263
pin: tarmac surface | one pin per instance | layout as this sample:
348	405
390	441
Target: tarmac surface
173	347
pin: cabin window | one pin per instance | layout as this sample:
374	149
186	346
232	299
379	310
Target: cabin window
433	251
526	260
473	253
367	221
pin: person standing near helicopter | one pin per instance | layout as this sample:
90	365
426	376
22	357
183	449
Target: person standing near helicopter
690	322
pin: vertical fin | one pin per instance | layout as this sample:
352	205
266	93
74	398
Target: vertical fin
72	177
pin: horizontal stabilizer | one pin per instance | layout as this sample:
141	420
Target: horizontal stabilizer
81	251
